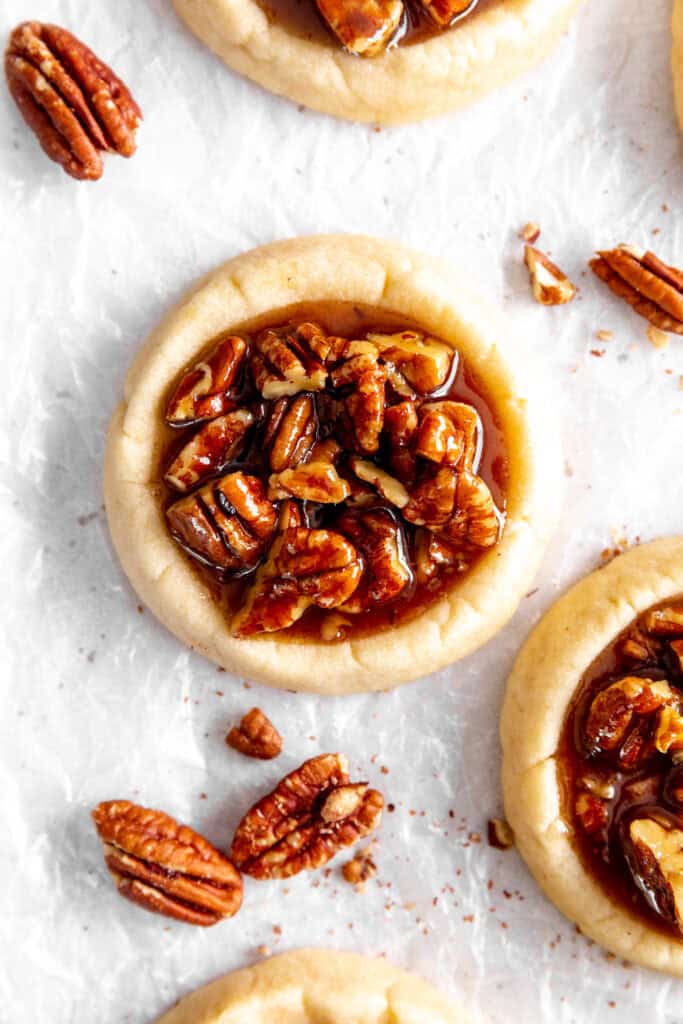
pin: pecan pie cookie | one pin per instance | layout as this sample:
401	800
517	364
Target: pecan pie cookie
677	59
313	986
331	471
390	61
592	732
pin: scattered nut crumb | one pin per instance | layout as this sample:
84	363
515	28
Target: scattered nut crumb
263	950
658	339
604	335
530	232
361	868
500	835
256	736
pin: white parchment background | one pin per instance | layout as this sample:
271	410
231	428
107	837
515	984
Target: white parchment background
98	701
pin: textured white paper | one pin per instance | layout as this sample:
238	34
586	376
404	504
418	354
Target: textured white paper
99	701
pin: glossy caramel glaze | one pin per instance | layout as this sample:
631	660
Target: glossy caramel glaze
645	788
347	320
301	17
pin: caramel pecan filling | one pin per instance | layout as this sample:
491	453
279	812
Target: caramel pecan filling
621	763
367	28
326	472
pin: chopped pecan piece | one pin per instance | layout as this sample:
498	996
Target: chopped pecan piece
226	524
665	621
653	289
73	102
311	815
291	431
432	553
476	520
613	710
551	287
438	439
210	451
500	835
357	358
669	731
203	391
447	12
314	481
363	27
289	360
166	867
255	736
378	537
290	516
655	857
639	647
391	489
424	362
466	431
592	812
432	501
361	868
365	407
304	568
401	424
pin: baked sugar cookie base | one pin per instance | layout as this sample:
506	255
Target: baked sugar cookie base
446	72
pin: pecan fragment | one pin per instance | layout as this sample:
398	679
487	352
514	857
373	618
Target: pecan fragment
75	105
447	12
592	812
226	524
652	288
289	360
401	424
425	362
432	553
669	731
379	538
614	709
210	451
391	489
665	621
655	858
476	520
500	835
361	868
166	867
465	430
365	407
312	814
202	393
638	646
290	432
551	287
314	481
363	27
255	736
304	568
432	501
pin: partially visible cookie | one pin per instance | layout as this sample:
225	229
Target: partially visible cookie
677	57
482	51
314	986
592	734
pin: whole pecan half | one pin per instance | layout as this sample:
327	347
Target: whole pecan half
255	736
166	867
653	289
73	102
309	817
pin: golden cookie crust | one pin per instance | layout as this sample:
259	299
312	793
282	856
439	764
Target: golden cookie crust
315	986
677	57
387	276
547	671
421	80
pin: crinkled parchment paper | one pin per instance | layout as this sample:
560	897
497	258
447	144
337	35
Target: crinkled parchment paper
99	701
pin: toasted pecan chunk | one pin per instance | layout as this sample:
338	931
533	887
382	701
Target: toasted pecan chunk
255	736
312	814
202	393
210	450
363	27
165	867
446	12
425	362
377	535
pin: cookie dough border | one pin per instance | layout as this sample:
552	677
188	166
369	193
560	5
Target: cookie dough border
544	678
446	72
317	985
677	57
388	276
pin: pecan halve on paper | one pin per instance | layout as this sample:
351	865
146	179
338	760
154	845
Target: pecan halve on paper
652	288
311	815
166	867
75	105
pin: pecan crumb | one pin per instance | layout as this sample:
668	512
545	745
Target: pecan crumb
256	736
500	835
531	232
361	868
658	339
604	335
